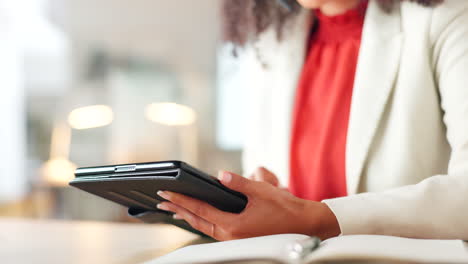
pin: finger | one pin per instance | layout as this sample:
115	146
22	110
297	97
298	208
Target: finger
253	177
196	207
195	221
238	183
263	174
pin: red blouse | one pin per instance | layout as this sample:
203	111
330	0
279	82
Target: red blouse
322	107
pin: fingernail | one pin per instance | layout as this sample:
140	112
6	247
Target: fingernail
226	177
162	207
163	195
176	216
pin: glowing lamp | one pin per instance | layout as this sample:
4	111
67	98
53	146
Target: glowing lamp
90	117
170	114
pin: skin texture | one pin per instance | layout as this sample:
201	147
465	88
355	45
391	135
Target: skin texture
270	210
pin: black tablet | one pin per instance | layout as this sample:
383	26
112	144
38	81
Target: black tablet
135	185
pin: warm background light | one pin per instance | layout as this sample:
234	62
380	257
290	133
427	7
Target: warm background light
170	114
91	117
58	171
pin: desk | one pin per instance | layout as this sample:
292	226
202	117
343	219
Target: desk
50	241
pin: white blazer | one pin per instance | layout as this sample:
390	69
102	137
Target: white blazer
407	146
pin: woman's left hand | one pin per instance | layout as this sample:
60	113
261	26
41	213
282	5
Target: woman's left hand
270	210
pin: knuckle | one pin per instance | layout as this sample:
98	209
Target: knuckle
172	207
198	209
175	199
259	185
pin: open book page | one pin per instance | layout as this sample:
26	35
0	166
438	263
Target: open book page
359	247
391	248
268	247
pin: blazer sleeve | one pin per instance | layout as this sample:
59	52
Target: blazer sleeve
437	207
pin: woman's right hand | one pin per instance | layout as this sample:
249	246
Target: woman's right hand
291	215
261	174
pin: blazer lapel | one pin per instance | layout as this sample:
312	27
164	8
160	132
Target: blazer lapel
375	78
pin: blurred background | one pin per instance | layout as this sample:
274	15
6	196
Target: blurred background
94	82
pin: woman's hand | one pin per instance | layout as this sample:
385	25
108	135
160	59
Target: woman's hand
270	210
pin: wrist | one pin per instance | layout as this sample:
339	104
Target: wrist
329	223
325	224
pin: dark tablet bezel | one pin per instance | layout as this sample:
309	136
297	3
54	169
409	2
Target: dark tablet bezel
126	168
167	169
139	169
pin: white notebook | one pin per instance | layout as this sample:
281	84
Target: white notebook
360	247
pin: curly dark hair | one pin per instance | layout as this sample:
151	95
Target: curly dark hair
246	19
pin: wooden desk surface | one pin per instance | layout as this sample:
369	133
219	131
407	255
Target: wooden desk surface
49	241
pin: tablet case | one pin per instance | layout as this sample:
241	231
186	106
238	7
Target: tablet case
161	217
137	190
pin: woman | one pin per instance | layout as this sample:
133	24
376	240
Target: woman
371	102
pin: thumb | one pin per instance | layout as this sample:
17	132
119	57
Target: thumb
236	182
